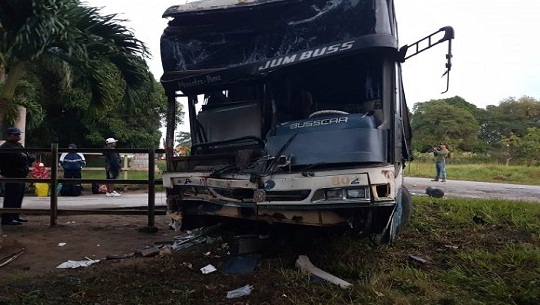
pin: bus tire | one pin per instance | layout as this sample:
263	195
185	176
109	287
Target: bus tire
406	208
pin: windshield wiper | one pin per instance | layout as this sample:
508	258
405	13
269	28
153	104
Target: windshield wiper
274	163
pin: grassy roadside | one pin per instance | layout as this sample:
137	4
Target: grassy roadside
478	172
471	172
493	258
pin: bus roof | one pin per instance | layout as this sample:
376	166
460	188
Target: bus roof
215	42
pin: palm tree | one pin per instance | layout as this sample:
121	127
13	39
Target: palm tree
69	36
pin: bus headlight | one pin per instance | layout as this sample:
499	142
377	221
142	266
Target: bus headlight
343	194
333	194
356	193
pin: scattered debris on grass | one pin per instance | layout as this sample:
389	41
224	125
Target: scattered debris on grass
77	264
208	269
305	265
13	256
240	292
418	259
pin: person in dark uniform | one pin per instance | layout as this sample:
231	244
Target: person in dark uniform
14	165
72	162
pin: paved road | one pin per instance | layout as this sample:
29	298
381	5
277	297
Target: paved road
96	201
417	186
470	189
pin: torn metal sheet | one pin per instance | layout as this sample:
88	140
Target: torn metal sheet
305	265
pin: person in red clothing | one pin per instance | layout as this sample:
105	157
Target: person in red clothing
39	171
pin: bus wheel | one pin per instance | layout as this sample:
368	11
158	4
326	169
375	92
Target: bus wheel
406	208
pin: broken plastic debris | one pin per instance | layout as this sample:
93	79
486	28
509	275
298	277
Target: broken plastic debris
418	259
240	292
8	259
175	225
187	243
120	256
76	264
61	244
305	265
189	265
208	269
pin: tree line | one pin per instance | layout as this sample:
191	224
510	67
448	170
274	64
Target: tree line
508	132
80	75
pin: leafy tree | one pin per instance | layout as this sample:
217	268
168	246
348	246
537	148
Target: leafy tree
68	35
26	95
511	116
460	102
526	148
71	118
530	145
183	139
439	121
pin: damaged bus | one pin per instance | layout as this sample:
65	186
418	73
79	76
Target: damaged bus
297	113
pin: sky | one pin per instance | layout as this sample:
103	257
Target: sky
495	50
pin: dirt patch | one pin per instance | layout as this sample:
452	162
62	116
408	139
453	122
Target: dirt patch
75	238
168	278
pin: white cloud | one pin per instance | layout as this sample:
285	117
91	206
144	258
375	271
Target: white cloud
495	49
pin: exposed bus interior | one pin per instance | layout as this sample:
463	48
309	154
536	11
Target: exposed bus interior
325	113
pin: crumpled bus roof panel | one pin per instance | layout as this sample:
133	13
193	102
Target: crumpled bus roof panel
212	35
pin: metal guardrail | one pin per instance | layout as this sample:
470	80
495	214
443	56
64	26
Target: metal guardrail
54	180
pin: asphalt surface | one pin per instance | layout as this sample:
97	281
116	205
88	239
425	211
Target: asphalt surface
470	189
96	201
417	186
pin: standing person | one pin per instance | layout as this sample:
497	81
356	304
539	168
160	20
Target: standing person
440	154
113	166
72	162
14	165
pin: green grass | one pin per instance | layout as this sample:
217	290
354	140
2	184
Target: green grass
478	172
495	262
129	175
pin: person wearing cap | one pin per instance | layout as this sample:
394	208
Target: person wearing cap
14	165
72	163
113	166
440	153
